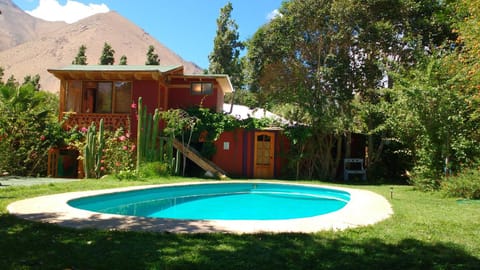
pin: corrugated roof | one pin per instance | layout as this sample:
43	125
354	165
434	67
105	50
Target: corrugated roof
127	68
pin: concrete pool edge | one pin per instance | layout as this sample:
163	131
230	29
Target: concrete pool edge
365	208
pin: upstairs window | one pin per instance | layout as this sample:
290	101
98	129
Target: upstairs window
98	97
201	88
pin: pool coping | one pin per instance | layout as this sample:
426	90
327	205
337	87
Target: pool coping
365	208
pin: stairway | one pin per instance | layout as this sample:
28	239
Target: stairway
198	159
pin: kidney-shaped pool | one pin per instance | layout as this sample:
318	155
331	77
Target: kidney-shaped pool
233	206
225	201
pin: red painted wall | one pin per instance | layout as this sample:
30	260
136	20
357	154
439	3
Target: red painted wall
179	95
148	90
231	160
238	160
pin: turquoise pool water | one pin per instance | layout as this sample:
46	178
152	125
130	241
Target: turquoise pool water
224	201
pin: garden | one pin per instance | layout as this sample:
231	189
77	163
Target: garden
404	77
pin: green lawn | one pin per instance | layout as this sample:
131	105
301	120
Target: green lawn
427	231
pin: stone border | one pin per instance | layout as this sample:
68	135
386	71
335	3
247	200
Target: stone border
365	208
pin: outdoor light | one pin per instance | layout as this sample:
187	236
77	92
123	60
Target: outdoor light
391	192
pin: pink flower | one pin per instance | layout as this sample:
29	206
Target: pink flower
127	135
125	148
83	129
122	138
43	138
133	106
102	168
133	147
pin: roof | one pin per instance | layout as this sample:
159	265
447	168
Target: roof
222	79
127	72
118	68
242	112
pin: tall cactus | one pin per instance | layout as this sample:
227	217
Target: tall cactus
93	151
147	135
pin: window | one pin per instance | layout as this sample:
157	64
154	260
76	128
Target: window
103	101
201	88
123	97
98	97
73	99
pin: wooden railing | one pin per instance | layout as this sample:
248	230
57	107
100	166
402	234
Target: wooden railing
110	121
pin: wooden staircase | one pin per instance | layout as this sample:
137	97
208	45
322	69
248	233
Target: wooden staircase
198	159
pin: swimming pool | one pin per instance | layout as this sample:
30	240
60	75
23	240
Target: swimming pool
363	208
220	201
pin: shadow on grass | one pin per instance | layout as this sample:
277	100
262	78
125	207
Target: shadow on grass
32	245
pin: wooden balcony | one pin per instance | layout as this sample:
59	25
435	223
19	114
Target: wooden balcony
110	121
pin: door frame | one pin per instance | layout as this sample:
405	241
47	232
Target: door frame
264	170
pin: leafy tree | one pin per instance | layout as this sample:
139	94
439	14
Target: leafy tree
107	57
34	81
12	82
28	129
81	58
1	75
225	58
321	58
431	118
152	57
123	60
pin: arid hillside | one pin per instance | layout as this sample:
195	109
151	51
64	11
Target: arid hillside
30	46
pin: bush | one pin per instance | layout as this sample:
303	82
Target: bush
154	169
465	185
28	128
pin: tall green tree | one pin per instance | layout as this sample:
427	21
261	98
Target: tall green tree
81	58
1	75
319	58
108	55
123	60
225	57
32	80
152	57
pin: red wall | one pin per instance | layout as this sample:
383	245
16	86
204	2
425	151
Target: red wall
238	160
148	90
179	95
230	160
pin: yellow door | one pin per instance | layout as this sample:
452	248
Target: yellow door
264	155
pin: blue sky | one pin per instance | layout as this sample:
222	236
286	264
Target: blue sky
186	26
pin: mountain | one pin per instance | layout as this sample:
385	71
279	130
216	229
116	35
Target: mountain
17	27
33	45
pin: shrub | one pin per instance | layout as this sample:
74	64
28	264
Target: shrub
154	169
28	128
465	185
119	157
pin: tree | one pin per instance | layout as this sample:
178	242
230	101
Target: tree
225	58
107	57
152	57
321	58
28	129
34	81
81	58
1	75
123	60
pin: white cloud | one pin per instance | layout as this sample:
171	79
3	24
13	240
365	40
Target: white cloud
272	15
72	11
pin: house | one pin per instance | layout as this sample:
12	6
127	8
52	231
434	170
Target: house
89	93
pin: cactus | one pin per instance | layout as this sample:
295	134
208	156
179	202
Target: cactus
147	135
93	151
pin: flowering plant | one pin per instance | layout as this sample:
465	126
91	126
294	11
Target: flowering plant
119	158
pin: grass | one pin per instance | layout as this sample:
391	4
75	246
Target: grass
427	231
